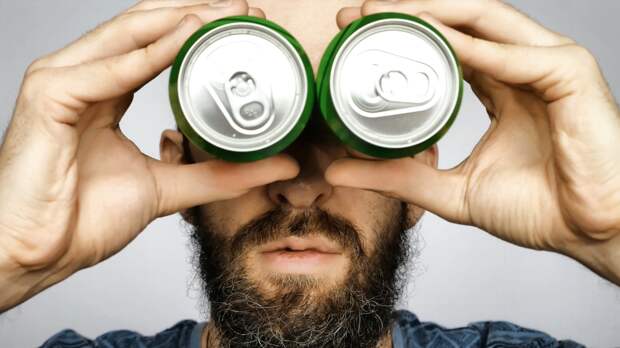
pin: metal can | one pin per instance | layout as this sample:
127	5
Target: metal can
242	88
389	85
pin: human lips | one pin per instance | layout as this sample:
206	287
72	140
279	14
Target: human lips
314	254
299	244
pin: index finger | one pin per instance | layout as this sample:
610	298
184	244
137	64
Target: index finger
546	69
136	29
489	19
74	88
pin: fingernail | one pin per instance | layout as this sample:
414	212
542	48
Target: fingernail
219	3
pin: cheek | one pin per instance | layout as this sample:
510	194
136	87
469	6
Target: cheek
228	216
371	213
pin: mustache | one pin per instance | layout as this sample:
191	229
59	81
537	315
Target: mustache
282	222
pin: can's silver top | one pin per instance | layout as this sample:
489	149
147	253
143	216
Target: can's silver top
242	87
394	83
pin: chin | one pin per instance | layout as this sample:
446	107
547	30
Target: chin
303	279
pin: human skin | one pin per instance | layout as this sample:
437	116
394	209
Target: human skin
546	174
483	191
573	204
369	211
73	189
64	160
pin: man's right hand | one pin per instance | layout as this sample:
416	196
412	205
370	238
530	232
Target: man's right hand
73	189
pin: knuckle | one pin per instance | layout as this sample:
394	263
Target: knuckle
37	64
36	93
143	5
148	53
34	83
581	56
120	80
171	14
579	64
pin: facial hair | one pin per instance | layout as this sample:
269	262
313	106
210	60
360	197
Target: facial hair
300	313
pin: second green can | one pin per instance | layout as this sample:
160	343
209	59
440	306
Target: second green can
389	85
241	88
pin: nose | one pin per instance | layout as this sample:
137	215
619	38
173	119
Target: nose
309	188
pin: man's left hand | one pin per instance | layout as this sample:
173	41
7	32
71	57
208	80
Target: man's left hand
546	174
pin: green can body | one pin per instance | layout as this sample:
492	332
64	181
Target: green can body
241	88
389	85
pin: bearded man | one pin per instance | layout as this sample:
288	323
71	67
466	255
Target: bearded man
307	248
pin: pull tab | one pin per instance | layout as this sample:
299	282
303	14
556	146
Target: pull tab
389	85
396	87
251	109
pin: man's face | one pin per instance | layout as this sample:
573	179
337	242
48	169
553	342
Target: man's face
300	262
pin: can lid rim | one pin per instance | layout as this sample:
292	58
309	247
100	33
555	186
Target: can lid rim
236	156
294	54
455	68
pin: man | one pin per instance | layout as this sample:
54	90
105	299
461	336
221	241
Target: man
306	248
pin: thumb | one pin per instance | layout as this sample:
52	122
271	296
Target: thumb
184	186
408	179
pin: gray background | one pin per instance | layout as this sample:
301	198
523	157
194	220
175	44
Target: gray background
462	274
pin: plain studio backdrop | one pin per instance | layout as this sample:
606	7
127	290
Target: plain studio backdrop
461	274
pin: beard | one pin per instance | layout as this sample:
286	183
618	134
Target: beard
299	310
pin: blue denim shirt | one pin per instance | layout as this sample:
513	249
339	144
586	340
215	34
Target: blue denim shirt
407	331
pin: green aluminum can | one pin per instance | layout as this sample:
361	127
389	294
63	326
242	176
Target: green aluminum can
389	85
242	88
